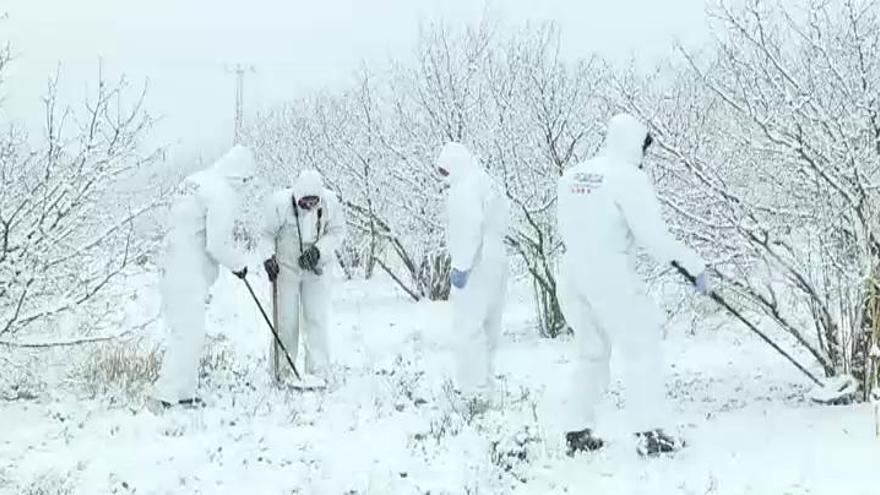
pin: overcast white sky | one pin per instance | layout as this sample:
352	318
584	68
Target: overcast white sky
295	46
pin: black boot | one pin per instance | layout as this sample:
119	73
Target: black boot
582	441
656	442
194	402
191	403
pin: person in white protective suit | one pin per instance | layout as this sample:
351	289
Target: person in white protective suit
303	227
477	224
607	209
200	238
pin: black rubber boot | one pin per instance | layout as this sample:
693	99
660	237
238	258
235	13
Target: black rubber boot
194	402
656	442
582	441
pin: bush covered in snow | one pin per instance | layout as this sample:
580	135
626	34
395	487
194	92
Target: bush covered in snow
67	204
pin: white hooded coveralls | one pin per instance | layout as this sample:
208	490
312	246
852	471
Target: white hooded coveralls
304	293
200	238
608	208
477	223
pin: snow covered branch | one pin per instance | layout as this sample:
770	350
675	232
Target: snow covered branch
772	137
67	225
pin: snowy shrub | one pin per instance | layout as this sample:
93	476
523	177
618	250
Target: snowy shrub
19	379
517	436
445	425
512	434
120	369
465	409
68	205
48	483
405	381
403	385
513	453
444	422
217	357
872	379
221	368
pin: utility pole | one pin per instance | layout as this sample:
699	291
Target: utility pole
239	70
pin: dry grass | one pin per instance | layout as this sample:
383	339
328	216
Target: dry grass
217	357
123	368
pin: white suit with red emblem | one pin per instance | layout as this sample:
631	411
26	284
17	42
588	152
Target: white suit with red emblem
608	209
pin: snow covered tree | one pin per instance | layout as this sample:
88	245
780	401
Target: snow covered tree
525	113
542	116
351	142
376	143
773	142
67	206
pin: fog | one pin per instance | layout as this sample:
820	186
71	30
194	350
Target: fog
184	50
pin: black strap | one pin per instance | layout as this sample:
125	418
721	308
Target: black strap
296	215
320	215
298	229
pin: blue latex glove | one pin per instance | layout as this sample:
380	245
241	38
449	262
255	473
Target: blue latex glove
703	285
459	278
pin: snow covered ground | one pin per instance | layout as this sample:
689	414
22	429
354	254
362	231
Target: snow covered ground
388	423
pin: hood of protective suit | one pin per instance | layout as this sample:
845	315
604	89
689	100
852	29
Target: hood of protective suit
309	183
456	159
625	138
237	163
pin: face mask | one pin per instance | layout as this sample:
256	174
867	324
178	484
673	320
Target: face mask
645	145
240	183
308	202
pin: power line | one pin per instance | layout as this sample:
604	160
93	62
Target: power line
239	70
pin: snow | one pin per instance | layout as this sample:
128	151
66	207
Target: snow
389	423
